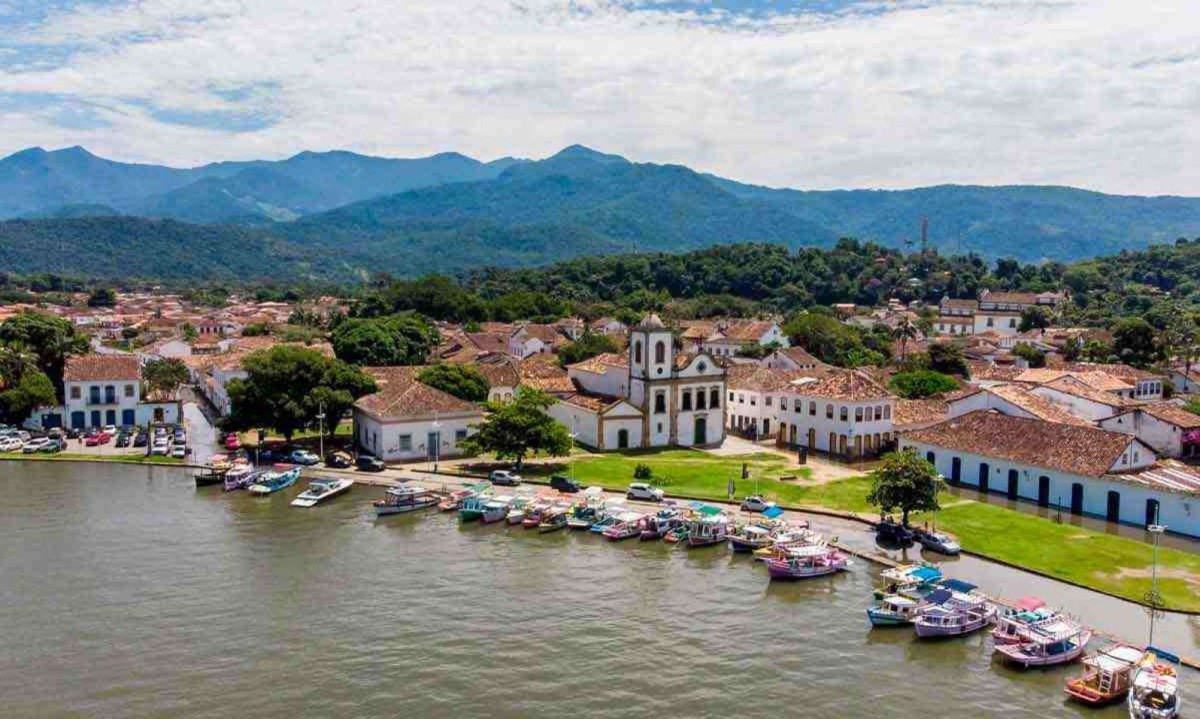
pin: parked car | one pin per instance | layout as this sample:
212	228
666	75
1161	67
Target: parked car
338	460
180	437
938	542
160	448
755	503
141	439
891	532
643	491
122	440
94	439
367	463
10	444
23	435
232	442
54	444
504	477
74	433
35	445
564	484
303	458
179	451
160	431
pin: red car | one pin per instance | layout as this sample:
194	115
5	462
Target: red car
231	441
96	438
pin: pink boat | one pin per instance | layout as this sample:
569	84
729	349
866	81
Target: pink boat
808	561
628	525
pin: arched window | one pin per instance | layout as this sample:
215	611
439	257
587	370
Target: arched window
660	352
887	411
714	398
637	352
687	400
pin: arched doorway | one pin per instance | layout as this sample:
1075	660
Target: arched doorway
985	471
931	458
1043	491
833	443
1113	510
700	435
812	438
1076	498
1014	484
1151	512
622	439
858	446
955	470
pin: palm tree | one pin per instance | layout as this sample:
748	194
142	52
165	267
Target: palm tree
905	330
15	361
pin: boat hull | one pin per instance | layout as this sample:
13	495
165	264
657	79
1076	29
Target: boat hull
470	515
704	541
887	619
303	501
390	509
950	630
742	545
782	570
1013	654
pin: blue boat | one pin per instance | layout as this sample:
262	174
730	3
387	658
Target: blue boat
275	480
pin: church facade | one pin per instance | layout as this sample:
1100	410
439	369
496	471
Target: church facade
652	396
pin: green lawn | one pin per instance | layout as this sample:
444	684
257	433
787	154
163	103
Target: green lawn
1113	564
71	456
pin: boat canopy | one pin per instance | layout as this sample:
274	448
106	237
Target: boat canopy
1028	604
1162	655
926	574
939	596
772	512
958	585
754	529
898	601
709	510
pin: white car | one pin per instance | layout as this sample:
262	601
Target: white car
11	444
179	451
110	429
161	447
35	445
643	491
756	503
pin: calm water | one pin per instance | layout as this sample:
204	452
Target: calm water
127	592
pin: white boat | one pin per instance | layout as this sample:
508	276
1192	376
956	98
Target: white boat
496	509
320	490
1046	644
1154	693
405	498
953	610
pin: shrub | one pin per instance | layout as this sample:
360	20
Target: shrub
643	471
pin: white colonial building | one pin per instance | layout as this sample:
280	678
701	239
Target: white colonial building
103	390
1078	469
409	420
651	397
839	411
1161	425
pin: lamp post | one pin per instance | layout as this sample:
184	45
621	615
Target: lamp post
321	431
1153	599
437	441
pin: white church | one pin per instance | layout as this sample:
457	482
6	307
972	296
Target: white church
653	396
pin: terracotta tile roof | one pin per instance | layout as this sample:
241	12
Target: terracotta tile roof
801	356
1081	450
602	363
916	413
1027	298
698	329
548	334
847	384
953	320
746	330
402	395
960	304
500	370
591	401
755	378
1036	405
1120	371
88	368
1172	414
489	341
541	371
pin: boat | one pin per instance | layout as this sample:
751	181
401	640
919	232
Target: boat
708	526
605	518
214	472
1026	612
785	539
403	499
893	610
516	509
750	537
240	476
676	534
454	500
471	508
554	520
585	512
1107	677
320	490
654	526
535	511
910	580
275	480
953	610
1154	688
495	509
804	562
626	526
1042	645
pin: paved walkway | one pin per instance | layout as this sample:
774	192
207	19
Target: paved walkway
823	470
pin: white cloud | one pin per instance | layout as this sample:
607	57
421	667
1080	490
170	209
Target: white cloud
1094	93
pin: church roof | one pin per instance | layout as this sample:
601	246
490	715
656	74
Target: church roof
651	322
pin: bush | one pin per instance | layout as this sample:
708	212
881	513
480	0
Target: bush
643	471
919	384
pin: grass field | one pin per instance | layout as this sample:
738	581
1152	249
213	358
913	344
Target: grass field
1118	565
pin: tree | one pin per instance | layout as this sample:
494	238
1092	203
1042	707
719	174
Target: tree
948	358
102	297
1034	318
1134	342
51	340
34	389
905	330
189	331
903	481
1034	356
922	383
462	381
514	429
287	385
1072	349
403	339
256	329
164	375
587	346
829	340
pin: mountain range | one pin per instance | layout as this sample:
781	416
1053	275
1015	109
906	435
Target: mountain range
341	215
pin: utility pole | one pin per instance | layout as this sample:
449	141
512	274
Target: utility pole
321	431
1153	598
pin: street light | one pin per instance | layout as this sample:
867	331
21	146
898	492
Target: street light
437	441
1153	599
321	431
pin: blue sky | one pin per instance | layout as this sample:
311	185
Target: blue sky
801	93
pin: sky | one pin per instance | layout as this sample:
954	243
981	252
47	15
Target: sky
811	94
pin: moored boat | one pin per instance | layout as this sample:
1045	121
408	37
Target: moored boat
239	477
676	534
953	610
749	537
1026	612
627	525
805	562
535	511
909	580
1107	678
214	472
454	500
893	610
516	509
654	526
1154	689
471	508
275	480
321	490
496	509
1042	645
708	526
403	499
554	520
